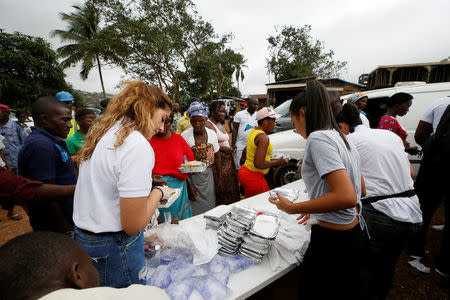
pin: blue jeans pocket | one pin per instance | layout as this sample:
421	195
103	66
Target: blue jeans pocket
101	264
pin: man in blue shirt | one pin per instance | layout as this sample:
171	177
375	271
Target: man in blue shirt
44	157
14	136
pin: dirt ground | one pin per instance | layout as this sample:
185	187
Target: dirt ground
409	283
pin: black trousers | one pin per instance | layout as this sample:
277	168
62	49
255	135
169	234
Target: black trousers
332	265
432	189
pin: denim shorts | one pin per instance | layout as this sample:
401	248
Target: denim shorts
118	257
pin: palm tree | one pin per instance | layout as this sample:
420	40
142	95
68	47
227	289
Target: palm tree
85	33
239	74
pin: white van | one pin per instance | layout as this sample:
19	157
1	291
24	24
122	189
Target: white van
424	94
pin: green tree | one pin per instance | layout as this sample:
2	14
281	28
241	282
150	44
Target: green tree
28	69
166	42
89	41
293	53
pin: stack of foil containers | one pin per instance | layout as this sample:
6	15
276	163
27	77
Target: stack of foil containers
243	231
216	217
237	223
257	241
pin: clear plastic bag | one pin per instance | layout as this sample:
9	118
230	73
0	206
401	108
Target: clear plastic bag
180	290
180	269
220	269
213	289
238	263
160	277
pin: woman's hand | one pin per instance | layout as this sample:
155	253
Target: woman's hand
281	161
282	203
220	185
156	179
226	150
192	192
303	218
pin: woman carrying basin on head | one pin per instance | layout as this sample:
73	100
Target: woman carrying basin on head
331	172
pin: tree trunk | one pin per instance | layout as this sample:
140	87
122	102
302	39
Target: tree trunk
101	77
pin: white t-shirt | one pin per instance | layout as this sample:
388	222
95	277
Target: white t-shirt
386	171
247	122
326	152
435	111
135	291
188	136
364	120
112	173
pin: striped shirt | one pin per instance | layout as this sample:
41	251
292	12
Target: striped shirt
183	123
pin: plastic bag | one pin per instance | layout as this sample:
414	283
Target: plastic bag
160	277
180	269
180	290
238	263
220	269
213	289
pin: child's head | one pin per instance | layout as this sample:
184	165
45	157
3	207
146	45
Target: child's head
85	117
38	263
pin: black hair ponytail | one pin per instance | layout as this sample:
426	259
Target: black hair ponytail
319	115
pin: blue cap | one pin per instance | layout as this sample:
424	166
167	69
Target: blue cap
64	96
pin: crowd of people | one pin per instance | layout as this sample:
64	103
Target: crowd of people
100	179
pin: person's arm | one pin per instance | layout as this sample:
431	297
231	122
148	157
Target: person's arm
262	143
423	132
363	187
234	134
411	170
243	156
2	156
46	193
218	166
342	195
135	213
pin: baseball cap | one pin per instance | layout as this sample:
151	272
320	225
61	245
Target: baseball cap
356	96
4	107
266	112
64	96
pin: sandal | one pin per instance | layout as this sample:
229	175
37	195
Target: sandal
15	217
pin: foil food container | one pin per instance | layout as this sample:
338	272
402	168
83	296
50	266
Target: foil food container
243	212
277	155
238	225
265	227
241	220
225	230
230	239
257	258
251	244
254	250
290	194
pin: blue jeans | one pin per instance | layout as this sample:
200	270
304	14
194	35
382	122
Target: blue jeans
118	257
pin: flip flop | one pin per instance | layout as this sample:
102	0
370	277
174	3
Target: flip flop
15	217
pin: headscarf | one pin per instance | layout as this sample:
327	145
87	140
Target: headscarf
356	96
198	109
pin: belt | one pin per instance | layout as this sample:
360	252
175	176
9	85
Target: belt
408	193
90	233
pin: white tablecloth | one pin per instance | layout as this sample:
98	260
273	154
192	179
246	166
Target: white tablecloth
256	277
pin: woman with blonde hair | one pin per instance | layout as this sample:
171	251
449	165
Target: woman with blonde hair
114	199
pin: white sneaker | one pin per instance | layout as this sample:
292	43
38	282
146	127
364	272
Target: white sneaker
438	228
416	264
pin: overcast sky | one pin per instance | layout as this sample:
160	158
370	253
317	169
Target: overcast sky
363	33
